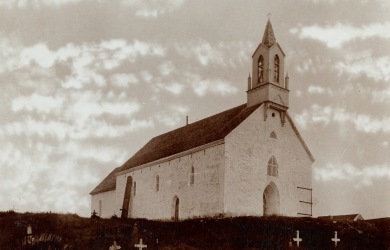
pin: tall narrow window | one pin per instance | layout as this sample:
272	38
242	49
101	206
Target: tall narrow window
135	188
276	68
192	176
260	76
100	208
272	169
157	183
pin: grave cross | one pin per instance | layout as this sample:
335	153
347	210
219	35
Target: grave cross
335	239
140	246
297	239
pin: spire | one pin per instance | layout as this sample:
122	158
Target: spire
268	37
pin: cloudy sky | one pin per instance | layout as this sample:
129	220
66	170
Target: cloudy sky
84	84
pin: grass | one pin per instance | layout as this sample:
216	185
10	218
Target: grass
69	231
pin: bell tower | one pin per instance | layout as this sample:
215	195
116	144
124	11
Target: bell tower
268	84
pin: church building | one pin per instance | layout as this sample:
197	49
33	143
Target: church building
249	160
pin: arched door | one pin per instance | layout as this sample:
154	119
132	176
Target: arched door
175	208
271	200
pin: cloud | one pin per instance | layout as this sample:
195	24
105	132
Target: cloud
34	176
322	1
35	3
82	65
363	63
217	86
337	35
325	115
172	87
146	76
314	89
360	176
90	129
38	103
224	54
202	86
381	96
124	80
173	116
166	68
153	9
40	54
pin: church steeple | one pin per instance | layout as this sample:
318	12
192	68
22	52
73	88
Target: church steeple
268	82
269	36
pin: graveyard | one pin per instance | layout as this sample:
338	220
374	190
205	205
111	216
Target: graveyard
69	231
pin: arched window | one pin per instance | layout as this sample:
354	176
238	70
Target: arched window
260	75
273	135
192	176
276	68
157	183
100	208
272	169
135	188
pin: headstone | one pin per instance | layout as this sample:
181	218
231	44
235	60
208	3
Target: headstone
140	246
135	236
94	215
114	246
335	239
297	239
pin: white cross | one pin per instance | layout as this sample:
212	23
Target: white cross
297	239
335	239
140	245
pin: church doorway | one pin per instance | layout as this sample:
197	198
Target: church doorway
126	199
175	208
271	200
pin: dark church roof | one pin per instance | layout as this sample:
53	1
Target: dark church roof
108	184
193	135
347	217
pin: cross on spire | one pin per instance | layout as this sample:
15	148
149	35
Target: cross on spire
335	239
269	15
297	239
140	246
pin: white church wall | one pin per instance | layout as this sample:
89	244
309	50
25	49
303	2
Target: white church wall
248	150
103	204
203	198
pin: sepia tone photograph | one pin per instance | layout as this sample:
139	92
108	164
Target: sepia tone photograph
182	124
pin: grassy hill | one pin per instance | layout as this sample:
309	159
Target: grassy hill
69	231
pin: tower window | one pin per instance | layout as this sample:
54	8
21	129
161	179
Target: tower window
272	169
276	68
135	188
157	183
260	76
192	176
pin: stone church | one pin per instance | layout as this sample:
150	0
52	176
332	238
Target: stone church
249	160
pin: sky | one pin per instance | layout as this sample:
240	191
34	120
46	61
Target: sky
85	84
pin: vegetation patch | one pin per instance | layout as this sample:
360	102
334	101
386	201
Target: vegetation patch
69	231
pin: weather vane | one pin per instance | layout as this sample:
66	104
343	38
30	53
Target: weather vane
269	15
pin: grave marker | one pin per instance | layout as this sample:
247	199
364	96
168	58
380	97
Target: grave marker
335	239
140	246
297	239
